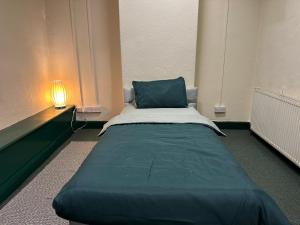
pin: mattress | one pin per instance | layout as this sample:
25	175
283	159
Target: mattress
164	174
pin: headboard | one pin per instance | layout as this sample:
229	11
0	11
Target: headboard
192	94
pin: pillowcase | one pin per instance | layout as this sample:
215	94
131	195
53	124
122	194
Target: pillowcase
160	93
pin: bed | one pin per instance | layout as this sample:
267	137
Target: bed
162	163
163	167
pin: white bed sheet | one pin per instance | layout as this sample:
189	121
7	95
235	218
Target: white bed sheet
130	114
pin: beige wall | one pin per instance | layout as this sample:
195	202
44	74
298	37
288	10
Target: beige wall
79	42
39	46
234	55
278	61
107	53
62	58
84	45
158	39
24	80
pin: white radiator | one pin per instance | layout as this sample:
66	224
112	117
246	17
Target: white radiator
276	119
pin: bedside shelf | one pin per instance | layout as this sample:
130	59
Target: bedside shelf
25	145
24	127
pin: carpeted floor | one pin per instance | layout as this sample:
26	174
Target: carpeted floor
269	169
31	205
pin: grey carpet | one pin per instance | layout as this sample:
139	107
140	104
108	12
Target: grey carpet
32	204
270	170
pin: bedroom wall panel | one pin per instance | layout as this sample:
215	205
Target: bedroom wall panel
279	48
226	51
62	59
85	50
23	60
158	39
104	23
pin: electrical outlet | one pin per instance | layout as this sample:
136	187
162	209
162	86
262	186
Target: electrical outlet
220	109
90	109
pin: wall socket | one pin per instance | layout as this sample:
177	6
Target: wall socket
220	109
90	109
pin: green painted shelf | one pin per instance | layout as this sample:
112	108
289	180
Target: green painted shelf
19	130
25	145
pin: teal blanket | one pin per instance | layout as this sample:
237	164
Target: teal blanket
164	174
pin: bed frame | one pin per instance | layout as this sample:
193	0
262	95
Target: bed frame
192	94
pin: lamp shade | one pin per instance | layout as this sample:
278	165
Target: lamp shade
59	94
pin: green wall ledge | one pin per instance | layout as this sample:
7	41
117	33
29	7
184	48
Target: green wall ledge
25	145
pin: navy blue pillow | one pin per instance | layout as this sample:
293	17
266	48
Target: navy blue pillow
160	93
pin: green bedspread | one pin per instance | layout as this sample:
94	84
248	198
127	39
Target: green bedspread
164	174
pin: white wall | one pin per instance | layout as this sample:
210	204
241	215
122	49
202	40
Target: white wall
84	45
37	46
107	53
158	42
225	67
158	39
62	59
278	58
24	81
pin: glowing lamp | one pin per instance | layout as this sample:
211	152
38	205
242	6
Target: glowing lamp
59	94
